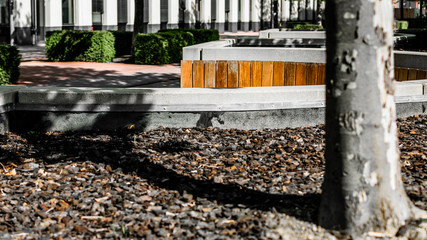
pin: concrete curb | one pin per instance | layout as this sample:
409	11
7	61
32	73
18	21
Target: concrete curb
74	109
221	50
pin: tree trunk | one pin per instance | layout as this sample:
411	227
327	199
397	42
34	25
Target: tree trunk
362	191
138	25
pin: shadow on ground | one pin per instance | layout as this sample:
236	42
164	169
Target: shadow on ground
88	77
118	153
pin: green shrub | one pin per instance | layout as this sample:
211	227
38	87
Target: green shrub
9	64
200	35
176	41
402	25
151	49
85	46
303	26
123	42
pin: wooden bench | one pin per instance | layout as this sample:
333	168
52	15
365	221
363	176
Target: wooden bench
232	74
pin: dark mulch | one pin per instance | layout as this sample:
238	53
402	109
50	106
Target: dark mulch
176	183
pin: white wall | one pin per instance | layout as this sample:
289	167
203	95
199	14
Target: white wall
22	17
173	12
205	11
234	10
220	11
82	13
53	13
256	10
154	11
131	12
110	13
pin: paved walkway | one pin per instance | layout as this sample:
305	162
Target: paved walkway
37	71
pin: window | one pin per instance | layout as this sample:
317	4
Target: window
122	11
67	12
97	11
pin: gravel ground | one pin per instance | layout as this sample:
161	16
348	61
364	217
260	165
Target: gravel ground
176	183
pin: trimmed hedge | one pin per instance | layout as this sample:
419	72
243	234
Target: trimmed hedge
176	41
9	64
303	26
151	49
84	46
123	42
162	47
402	25
200	35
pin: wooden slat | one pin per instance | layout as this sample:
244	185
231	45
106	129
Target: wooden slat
198	74
233	74
279	74
210	73
256	74
186	74
321	72
244	74
403	74
412	74
267	74
221	74
311	73
421	75
290	73
301	74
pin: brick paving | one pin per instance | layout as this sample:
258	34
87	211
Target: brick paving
37	71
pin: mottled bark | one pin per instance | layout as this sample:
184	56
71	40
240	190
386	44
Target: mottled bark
362	191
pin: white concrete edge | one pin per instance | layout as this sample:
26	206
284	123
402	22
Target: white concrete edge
189	96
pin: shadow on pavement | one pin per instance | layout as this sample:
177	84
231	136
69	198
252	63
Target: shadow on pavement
55	76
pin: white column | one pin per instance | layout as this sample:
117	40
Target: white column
190	13
131	15
294	10
82	14
244	14
109	18
256	15
205	13
53	15
310	9
220	15
301	10
153	16
173	13
285	10
233	16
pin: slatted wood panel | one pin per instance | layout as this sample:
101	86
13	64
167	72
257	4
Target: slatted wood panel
256	75
221	74
244	74
198	74
267	74
279	74
210	74
231	74
290	73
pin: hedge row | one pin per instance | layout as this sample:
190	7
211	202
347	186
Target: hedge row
101	46
161	48
85	46
200	35
166	45
9	64
303	26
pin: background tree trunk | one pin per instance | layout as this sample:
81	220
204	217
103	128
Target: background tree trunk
362	191
138	25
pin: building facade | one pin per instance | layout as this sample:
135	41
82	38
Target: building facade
27	21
